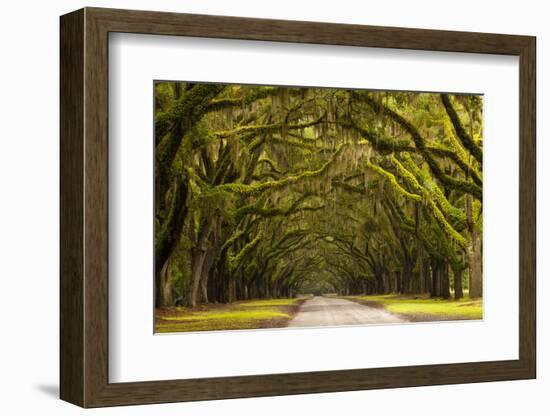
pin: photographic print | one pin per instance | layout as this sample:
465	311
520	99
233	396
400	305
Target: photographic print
281	206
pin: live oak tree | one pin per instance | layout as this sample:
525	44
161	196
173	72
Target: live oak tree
265	192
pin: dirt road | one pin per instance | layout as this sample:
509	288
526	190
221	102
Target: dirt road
326	311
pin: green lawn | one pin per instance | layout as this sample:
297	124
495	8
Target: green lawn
254	314
419	309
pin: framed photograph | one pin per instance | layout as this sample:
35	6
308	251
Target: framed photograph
255	207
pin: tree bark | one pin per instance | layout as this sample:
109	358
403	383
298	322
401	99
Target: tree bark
476	285
457	283
198	258
435	286
206	268
398	286
380	286
427	281
445	289
198	261
163	288
474	255
171	230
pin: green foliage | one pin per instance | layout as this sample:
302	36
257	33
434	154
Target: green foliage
235	260
265	191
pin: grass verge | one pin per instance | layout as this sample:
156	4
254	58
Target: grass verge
418	308
252	314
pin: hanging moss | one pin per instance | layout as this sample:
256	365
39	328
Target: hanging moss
464	137
421	147
456	215
458	159
257	189
235	260
277	211
253	95
413	182
265	128
297	186
393	181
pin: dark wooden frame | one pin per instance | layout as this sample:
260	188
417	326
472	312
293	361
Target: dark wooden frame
84	207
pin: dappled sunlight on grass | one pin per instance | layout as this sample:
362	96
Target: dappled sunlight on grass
268	302
418	308
231	315
253	314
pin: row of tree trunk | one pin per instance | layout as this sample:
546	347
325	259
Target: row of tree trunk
211	282
436	278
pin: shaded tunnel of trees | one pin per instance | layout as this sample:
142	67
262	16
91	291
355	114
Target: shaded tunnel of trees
265	192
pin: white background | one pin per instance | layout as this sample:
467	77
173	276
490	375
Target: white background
29	219
299	350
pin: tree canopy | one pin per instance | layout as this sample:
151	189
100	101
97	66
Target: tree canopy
265	191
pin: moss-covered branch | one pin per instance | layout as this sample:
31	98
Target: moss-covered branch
468	170
420	144
247	99
464	137
393	181
235	260
257	189
415	185
187	110
454	214
269	192
262	129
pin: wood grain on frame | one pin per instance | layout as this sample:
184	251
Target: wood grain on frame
71	215
84	207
